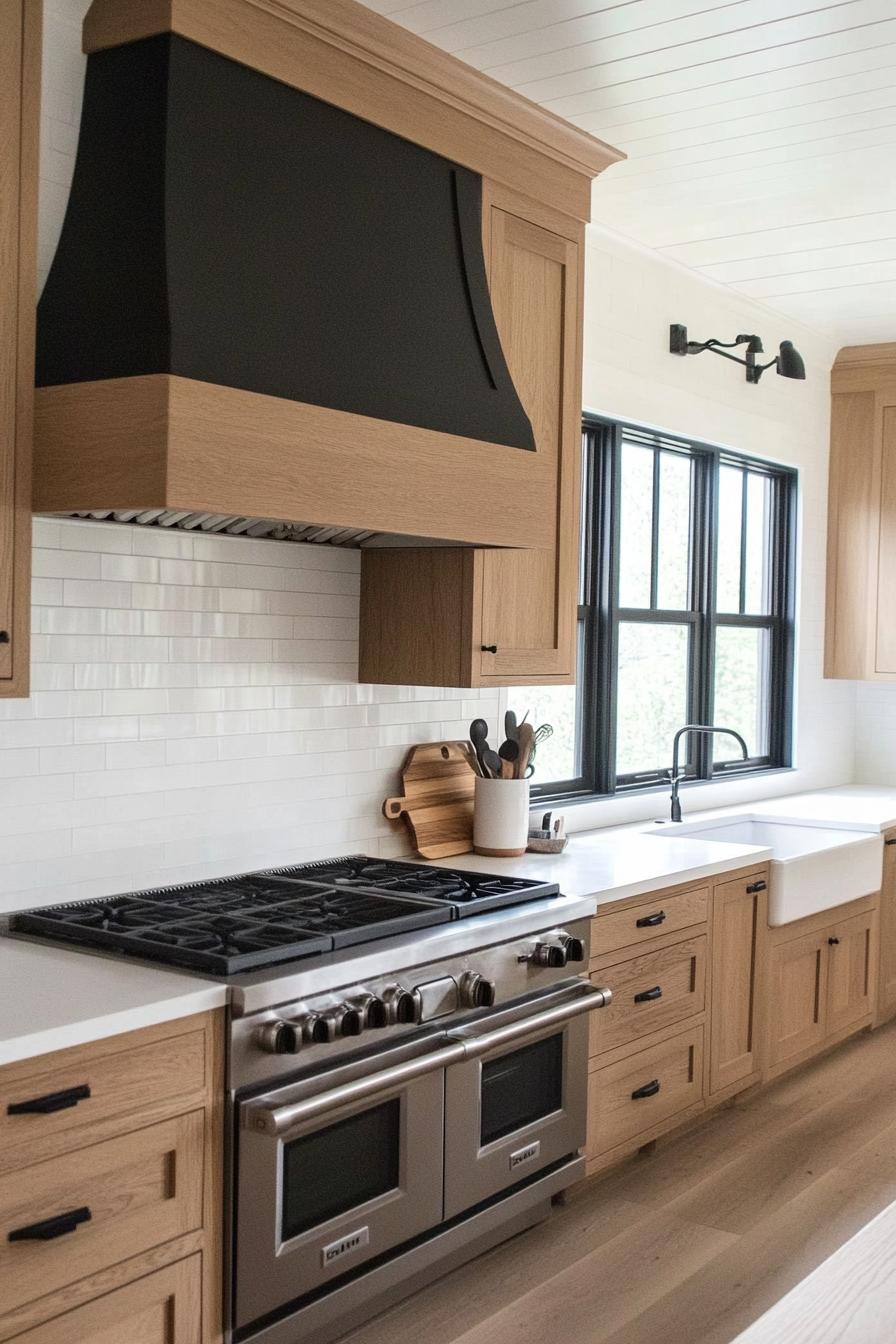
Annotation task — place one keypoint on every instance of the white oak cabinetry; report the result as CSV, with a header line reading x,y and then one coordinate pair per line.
x,y
681,1031
822,975
860,626
497,617
111,1189
20,56
886,974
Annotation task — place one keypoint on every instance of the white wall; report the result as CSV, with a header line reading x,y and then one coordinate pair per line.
x,y
196,708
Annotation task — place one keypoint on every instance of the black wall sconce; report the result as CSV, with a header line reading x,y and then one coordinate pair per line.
x,y
789,363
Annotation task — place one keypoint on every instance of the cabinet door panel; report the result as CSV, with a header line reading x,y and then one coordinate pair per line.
x,y
529,597
885,656
645,1090
141,1190
887,970
849,972
798,989
162,1308
738,914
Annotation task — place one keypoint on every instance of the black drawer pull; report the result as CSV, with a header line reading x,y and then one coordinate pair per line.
x,y
648,1090
51,1227
890,842
53,1101
648,995
756,886
833,942
4,636
650,921
489,648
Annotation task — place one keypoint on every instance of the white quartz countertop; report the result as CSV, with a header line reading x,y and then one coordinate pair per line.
x,y
51,998
611,865
851,807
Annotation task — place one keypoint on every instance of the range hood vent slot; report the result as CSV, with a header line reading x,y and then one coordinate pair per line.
x,y
228,228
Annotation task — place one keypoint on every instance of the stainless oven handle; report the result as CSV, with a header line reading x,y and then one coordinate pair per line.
x,y
476,1044
277,1120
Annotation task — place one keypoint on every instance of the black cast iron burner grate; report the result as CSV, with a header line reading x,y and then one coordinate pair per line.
x,y
231,925
467,893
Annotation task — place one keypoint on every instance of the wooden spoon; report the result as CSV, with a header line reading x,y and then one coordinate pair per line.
x,y
527,741
509,752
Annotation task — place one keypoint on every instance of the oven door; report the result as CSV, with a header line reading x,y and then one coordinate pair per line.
x,y
335,1170
517,1102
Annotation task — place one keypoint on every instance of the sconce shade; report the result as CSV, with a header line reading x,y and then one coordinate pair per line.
x,y
790,361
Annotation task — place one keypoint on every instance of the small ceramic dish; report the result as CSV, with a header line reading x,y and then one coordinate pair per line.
x,y
556,845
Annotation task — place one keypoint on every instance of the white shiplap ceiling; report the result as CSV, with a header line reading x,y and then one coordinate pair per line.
x,y
761,134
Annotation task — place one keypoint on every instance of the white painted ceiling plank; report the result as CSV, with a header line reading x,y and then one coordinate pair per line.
x,y
660,73
741,243
718,82
787,264
826,279
612,34
810,122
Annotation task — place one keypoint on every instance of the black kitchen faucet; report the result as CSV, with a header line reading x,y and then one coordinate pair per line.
x,y
673,773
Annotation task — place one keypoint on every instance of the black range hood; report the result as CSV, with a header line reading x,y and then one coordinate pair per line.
x,y
227,228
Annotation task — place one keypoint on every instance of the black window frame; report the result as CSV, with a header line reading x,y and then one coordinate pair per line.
x,y
600,615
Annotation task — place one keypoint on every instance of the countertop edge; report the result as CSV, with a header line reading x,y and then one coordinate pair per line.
x,y
88,1030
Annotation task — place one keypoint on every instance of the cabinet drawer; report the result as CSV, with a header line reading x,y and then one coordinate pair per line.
x,y
670,1074
639,923
677,972
119,1082
139,1190
162,1308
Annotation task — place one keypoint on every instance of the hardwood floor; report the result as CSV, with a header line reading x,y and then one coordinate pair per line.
x,y
692,1243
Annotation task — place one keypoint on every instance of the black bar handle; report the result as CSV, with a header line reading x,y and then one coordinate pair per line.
x,y
756,886
51,1228
648,1090
53,1101
890,842
833,942
489,648
650,921
648,995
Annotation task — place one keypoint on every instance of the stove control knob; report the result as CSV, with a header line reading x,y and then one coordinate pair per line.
x,y
550,953
280,1038
475,991
311,1029
373,1011
401,1006
575,948
343,1020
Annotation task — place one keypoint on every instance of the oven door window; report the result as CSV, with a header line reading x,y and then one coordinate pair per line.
x,y
520,1088
340,1168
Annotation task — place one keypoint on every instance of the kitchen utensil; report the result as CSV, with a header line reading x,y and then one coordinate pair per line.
x,y
492,762
527,741
509,752
543,732
479,738
437,805
510,726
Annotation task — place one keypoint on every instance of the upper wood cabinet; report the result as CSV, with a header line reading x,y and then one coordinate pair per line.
x,y
20,56
451,617
860,627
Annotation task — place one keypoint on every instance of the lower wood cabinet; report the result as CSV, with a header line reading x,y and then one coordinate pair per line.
x,y
822,981
161,1308
740,915
886,982
683,1029
111,1205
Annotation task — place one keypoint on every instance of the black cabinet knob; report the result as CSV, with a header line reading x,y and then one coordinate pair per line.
x,y
4,636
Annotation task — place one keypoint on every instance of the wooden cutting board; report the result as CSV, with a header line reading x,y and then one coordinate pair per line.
x,y
438,781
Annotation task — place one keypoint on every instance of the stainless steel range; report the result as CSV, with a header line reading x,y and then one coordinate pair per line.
x,y
407,1083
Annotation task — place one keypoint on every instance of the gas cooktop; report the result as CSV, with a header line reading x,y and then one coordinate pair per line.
x,y
242,923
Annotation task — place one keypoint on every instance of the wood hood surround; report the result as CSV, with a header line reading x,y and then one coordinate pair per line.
x,y
159,440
